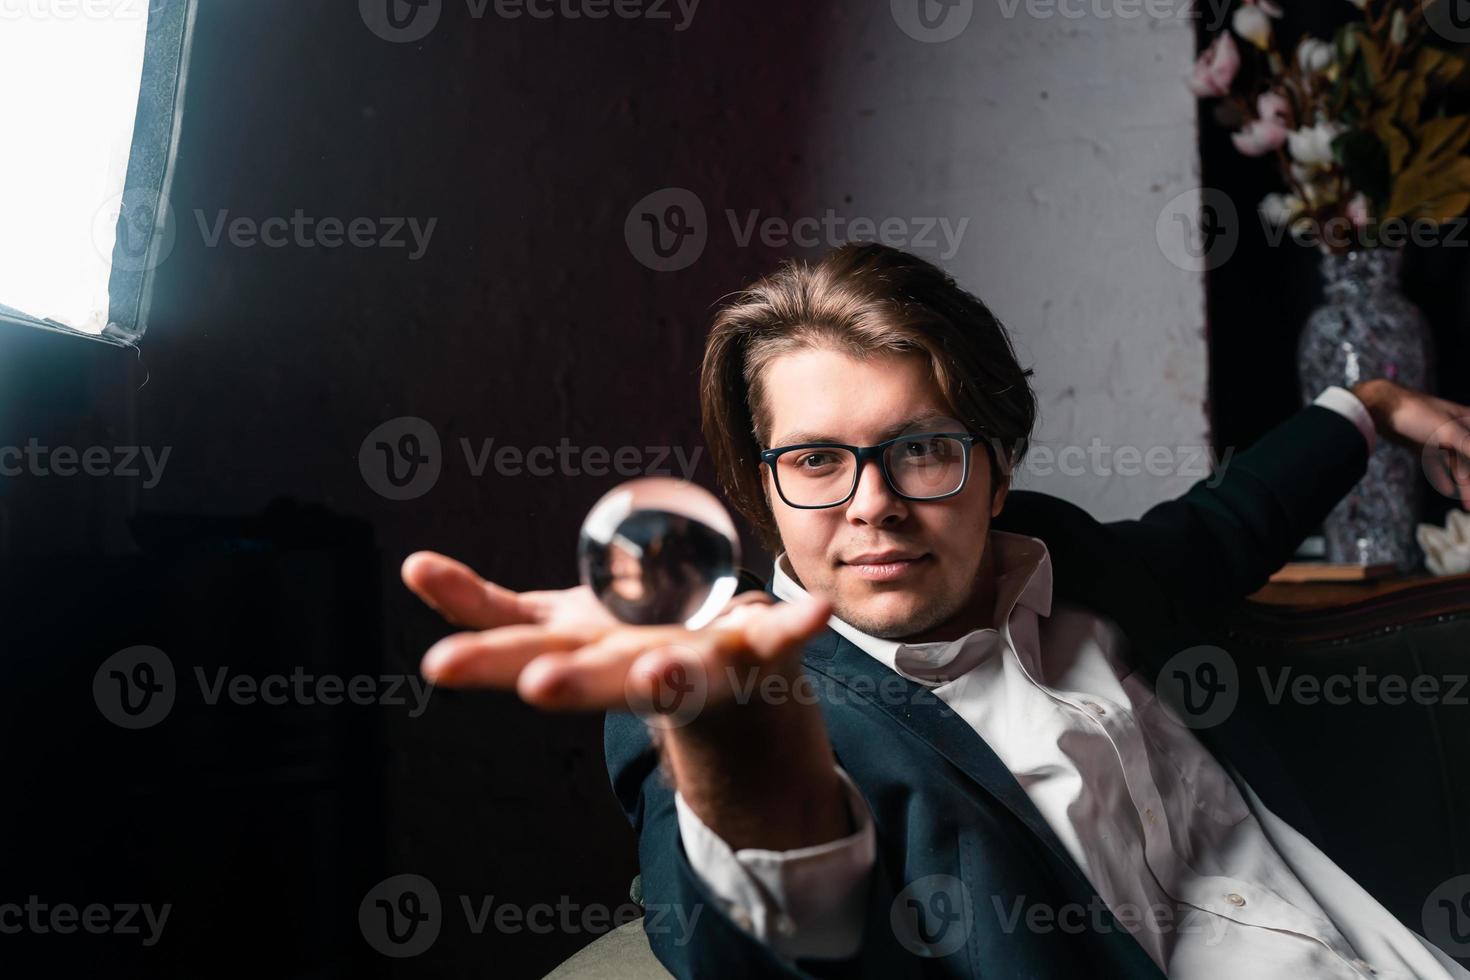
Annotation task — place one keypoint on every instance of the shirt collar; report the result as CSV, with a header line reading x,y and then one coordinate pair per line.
x,y
1023,577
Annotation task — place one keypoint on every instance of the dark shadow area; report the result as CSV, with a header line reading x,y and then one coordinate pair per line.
x,y
524,320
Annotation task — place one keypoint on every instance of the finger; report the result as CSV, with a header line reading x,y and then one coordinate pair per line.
x,y
495,658
786,625
462,597
596,676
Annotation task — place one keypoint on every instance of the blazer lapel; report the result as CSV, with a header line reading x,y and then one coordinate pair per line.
x,y
928,717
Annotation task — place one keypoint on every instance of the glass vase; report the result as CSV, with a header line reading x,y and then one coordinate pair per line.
x,y
1366,328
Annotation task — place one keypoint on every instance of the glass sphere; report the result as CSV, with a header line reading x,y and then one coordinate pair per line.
x,y
658,550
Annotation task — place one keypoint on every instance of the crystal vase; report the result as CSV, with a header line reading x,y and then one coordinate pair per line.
x,y
1365,328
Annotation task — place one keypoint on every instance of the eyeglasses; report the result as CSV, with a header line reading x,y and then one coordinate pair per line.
x,y
919,466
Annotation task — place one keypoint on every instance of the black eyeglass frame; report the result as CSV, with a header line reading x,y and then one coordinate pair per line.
x,y
864,453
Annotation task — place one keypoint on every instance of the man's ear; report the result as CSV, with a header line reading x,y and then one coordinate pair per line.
x,y
998,495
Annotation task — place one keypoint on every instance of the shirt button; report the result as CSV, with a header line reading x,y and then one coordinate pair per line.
x,y
1095,708
742,919
1234,899
1150,814
785,926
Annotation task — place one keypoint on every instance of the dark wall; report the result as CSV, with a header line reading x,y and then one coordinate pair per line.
x,y
528,320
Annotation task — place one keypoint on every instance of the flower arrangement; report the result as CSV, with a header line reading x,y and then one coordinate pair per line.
x,y
1358,125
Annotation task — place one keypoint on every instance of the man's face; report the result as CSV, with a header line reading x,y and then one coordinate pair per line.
x,y
823,395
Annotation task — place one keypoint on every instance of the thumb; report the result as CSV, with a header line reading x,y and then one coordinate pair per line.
x,y
786,625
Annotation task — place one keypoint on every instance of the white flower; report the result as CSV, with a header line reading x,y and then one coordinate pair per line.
x,y
1446,549
1253,24
1278,209
1312,145
1314,55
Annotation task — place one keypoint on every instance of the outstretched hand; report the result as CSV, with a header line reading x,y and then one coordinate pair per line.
x,y
560,649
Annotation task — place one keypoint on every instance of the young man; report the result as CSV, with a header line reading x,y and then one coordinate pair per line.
x,y
970,774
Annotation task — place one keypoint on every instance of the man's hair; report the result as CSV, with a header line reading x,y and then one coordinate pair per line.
x,y
862,300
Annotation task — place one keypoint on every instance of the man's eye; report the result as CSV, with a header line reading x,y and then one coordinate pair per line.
x,y
922,447
814,461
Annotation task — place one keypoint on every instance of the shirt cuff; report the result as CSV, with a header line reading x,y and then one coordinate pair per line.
x,y
1347,404
807,902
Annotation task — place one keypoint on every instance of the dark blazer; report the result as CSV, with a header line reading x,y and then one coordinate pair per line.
x,y
942,801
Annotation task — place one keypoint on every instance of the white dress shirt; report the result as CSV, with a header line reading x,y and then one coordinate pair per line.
x,y
1210,882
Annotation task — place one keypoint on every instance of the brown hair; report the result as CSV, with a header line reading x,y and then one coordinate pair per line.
x,y
862,300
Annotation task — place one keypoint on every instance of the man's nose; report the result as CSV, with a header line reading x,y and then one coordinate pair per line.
x,y
873,502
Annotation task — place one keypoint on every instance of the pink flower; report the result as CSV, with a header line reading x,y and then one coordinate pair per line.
x,y
1216,68
1274,107
1259,137
1357,211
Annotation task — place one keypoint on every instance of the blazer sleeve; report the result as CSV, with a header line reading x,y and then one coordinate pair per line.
x,y
1222,539
688,929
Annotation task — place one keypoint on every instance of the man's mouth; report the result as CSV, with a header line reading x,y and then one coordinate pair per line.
x,y
887,566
